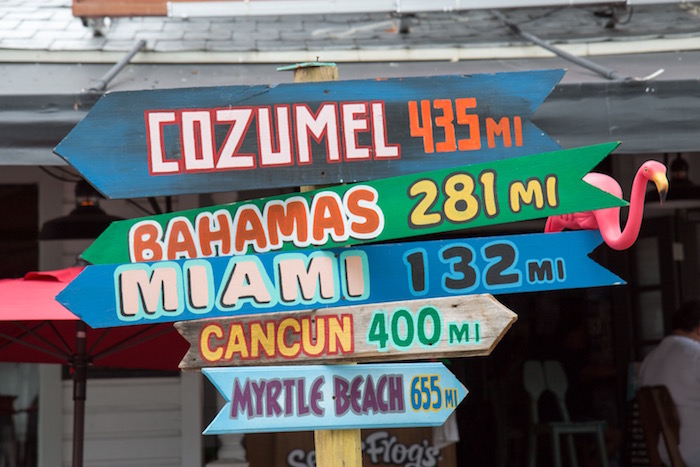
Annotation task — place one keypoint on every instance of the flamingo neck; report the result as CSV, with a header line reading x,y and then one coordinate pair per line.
x,y
626,238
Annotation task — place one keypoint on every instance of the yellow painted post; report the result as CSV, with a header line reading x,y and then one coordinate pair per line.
x,y
338,448
334,448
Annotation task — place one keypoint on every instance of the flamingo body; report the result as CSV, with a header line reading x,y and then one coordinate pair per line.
x,y
608,220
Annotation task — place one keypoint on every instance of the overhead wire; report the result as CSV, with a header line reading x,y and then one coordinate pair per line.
x,y
74,177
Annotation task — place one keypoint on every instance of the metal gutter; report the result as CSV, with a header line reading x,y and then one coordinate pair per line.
x,y
325,7
446,53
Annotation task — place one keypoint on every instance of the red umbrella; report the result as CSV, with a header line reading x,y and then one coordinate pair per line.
x,y
34,327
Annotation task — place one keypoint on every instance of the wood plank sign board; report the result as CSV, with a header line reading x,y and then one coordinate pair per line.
x,y
209,139
451,327
394,447
529,187
187,289
333,397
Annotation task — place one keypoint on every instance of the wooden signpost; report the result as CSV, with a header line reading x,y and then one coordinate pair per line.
x,y
288,279
138,293
333,397
209,139
332,444
452,327
530,187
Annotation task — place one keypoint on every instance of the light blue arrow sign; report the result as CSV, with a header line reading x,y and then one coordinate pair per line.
x,y
137,293
337,397
201,140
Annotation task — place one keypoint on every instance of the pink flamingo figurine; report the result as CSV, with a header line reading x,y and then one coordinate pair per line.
x,y
608,220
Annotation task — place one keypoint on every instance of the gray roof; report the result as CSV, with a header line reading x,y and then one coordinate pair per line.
x,y
36,30
49,58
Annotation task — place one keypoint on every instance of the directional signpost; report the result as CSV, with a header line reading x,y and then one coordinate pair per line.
x,y
334,397
452,327
138,293
176,141
289,279
511,190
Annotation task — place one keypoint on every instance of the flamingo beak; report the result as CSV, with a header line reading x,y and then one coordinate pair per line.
x,y
661,183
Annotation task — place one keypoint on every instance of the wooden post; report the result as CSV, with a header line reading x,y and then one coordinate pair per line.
x,y
338,448
334,448
314,72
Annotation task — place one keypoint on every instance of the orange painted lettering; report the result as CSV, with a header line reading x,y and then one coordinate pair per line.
x,y
249,230
446,122
214,230
327,216
493,129
423,126
366,217
144,242
472,121
180,240
518,130
288,221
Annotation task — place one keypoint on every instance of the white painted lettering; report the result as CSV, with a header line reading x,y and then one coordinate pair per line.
x,y
157,164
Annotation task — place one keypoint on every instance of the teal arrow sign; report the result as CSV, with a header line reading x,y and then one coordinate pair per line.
x,y
336,397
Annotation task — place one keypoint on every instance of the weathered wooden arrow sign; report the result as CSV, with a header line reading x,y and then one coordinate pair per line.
x,y
202,140
333,397
463,326
492,193
180,290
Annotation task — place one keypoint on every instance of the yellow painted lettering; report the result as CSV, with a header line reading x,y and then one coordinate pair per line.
x,y
521,193
285,350
310,348
551,182
205,344
262,339
340,335
236,342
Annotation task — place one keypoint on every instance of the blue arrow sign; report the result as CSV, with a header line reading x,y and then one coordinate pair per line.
x,y
137,293
273,399
209,139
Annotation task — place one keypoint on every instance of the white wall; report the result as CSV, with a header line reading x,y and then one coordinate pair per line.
x,y
133,422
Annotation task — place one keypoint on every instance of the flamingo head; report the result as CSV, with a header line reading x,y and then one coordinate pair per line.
x,y
656,172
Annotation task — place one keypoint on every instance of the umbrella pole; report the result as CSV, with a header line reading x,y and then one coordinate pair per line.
x,y
79,391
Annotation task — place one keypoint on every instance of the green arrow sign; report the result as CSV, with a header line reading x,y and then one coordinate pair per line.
x,y
444,200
